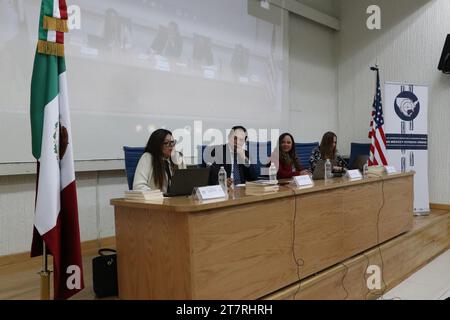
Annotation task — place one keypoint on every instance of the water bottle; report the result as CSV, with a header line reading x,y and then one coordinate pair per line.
x,y
328,174
273,172
223,179
365,169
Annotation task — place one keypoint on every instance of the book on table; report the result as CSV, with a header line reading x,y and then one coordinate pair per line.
x,y
143,194
261,187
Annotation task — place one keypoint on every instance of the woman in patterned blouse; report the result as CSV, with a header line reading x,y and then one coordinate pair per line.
x,y
327,150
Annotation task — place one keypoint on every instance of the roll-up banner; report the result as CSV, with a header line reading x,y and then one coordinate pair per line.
x,y
406,126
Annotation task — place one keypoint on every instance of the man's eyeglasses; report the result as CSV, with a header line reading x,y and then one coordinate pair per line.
x,y
170,143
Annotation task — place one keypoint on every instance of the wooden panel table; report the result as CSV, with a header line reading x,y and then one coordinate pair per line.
x,y
247,247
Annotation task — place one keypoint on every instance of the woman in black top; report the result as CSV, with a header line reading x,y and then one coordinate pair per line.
x,y
327,150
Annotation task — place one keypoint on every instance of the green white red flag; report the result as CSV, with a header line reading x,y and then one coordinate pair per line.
x,y
56,213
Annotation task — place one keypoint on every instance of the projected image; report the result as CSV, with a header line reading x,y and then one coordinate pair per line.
x,y
168,41
151,63
15,69
207,39
209,50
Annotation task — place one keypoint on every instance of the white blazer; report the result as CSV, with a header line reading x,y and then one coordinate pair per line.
x,y
143,177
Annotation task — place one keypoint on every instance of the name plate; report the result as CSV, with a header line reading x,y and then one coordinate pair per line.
x,y
354,175
390,170
303,181
210,192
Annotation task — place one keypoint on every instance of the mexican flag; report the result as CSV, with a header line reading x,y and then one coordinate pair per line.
x,y
56,213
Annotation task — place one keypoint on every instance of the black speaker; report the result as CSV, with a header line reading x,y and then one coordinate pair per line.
x,y
444,63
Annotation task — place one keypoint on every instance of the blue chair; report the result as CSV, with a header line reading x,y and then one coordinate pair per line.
x,y
201,161
358,149
132,156
304,151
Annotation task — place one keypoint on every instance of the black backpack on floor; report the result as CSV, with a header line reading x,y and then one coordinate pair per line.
x,y
104,273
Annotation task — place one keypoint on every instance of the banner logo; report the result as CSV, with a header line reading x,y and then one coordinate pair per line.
x,y
407,106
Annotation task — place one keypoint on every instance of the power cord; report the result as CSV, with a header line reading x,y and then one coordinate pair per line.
x,y
364,276
378,240
342,280
379,250
298,262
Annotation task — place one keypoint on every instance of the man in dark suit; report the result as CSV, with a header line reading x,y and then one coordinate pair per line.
x,y
233,157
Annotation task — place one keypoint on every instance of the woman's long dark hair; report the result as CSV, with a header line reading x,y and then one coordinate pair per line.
x,y
327,150
291,157
154,147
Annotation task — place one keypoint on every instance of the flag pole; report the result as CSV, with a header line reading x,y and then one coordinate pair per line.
x,y
45,275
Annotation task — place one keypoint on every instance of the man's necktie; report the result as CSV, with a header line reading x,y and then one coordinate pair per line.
x,y
236,172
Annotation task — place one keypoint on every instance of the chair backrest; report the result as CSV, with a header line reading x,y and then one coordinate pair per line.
x,y
359,162
132,156
304,151
201,161
358,149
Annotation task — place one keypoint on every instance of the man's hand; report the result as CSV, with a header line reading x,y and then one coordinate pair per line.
x,y
229,182
241,153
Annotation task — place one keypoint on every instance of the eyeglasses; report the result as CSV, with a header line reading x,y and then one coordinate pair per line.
x,y
170,143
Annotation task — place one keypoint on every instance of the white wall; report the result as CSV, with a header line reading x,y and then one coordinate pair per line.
x,y
313,79
330,7
94,193
407,49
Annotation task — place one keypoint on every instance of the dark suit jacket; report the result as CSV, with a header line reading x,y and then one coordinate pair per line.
x,y
246,172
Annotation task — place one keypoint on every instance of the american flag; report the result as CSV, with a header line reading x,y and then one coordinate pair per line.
x,y
376,131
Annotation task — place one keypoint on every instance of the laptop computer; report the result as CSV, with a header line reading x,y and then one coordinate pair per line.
x,y
185,180
360,161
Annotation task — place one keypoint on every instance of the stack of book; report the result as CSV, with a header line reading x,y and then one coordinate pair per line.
x,y
144,195
376,170
261,187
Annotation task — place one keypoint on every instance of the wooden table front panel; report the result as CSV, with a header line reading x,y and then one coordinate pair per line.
x,y
243,252
336,224
396,215
153,254
249,250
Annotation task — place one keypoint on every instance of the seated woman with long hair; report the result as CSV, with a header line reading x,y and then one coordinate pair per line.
x,y
327,150
286,159
158,163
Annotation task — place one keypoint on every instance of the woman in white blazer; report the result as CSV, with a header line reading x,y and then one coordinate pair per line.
x,y
158,163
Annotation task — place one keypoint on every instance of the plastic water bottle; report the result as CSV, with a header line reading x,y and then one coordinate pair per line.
x,y
328,174
273,172
365,169
223,179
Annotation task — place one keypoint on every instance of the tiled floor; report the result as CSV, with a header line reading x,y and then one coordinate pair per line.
x,y
432,282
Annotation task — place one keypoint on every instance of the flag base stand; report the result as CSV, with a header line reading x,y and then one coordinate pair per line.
x,y
421,214
45,285
45,275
